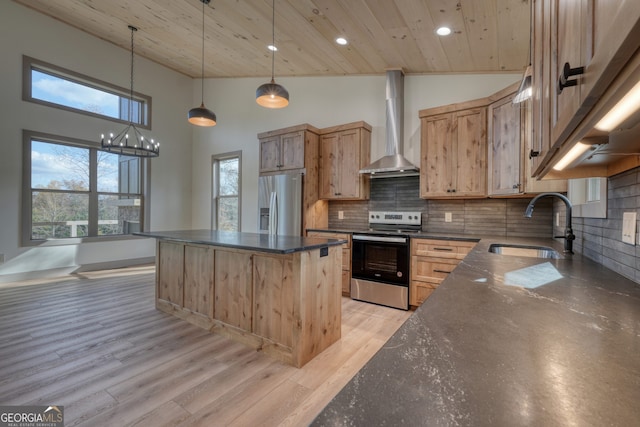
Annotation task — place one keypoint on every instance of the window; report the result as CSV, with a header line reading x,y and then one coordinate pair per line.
x,y
588,197
74,190
54,86
226,192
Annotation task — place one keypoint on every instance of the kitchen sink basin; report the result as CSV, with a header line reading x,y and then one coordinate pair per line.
x,y
524,250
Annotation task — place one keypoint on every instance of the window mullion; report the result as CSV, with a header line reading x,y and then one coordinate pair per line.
x,y
93,192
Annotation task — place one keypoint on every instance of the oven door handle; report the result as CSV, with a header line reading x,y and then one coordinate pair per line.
x,y
379,239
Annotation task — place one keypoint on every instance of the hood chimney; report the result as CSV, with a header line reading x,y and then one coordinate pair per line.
x,y
393,163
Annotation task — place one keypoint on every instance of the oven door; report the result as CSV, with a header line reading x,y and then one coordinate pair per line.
x,y
382,259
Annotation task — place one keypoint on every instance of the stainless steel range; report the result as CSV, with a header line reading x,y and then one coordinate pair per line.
x,y
381,259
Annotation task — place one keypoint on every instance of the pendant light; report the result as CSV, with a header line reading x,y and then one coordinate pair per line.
x,y
202,116
272,95
130,141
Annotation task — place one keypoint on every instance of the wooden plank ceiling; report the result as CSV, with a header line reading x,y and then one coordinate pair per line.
x,y
488,35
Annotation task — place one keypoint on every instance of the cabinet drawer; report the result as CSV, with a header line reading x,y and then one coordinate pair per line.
x,y
420,291
453,249
431,269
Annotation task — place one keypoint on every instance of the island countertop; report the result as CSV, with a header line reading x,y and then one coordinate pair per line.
x,y
249,241
507,341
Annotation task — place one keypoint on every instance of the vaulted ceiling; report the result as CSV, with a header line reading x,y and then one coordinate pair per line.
x,y
488,35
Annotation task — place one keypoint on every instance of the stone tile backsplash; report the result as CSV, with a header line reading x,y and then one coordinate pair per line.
x,y
498,217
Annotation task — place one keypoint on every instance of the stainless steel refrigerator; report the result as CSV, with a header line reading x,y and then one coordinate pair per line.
x,y
280,204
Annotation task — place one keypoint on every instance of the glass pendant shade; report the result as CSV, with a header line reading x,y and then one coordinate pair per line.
x,y
272,95
202,116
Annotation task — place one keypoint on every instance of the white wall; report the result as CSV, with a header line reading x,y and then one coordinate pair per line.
x,y
321,102
23,31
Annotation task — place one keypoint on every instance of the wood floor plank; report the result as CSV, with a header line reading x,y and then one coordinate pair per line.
x,y
94,343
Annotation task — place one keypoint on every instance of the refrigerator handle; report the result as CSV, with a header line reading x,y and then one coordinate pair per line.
x,y
273,214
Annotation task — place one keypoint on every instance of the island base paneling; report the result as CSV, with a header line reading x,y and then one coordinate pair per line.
x,y
286,305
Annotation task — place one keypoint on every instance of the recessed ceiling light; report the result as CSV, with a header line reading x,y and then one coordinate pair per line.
x,y
443,31
272,47
341,41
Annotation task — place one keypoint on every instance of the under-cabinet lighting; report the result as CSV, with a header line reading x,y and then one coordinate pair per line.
x,y
628,105
443,31
573,154
341,41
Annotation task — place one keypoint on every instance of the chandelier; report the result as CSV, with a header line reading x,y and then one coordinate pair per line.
x,y
130,141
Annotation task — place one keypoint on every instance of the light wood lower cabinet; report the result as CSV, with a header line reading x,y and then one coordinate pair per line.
x,y
431,262
286,305
346,256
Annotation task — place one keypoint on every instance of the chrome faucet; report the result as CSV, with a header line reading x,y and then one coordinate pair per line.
x,y
568,237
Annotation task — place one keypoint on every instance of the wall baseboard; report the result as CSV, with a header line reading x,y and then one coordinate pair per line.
x,y
65,271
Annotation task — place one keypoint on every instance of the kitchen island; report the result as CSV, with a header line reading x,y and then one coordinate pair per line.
x,y
278,294
507,341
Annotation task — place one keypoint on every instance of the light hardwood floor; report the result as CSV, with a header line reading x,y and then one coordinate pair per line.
x,y
94,343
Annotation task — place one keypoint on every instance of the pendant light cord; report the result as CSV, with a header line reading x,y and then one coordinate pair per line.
x,y
273,39
202,79
133,29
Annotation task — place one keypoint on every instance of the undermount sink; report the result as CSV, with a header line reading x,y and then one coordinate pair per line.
x,y
524,250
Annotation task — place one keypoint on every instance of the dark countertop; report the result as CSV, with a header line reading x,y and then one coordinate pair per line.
x,y
248,241
486,350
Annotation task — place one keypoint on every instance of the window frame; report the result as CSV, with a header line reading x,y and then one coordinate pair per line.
x,y
29,63
27,215
215,180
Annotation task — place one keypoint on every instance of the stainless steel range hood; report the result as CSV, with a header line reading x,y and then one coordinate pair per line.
x,y
393,163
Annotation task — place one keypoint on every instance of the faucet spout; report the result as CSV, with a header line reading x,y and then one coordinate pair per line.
x,y
569,237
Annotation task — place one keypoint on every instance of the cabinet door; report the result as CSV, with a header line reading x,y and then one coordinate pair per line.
x,y
273,315
270,154
198,279
330,160
504,147
234,298
470,157
170,274
436,177
349,164
568,38
292,151
541,84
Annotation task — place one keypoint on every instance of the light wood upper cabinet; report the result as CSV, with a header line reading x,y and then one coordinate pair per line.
x,y
509,129
290,149
282,152
344,150
603,38
453,151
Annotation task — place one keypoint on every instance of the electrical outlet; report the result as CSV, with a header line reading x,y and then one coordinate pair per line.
x,y
557,219
448,217
340,214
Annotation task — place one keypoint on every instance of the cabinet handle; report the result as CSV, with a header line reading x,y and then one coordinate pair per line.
x,y
533,154
441,271
443,249
516,186
567,72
